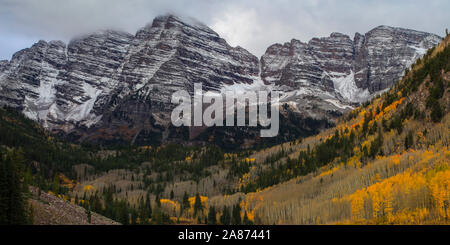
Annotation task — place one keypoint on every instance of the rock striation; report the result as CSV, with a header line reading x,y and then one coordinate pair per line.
x,y
342,71
112,84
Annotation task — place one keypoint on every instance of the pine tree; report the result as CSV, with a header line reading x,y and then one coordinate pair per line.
x,y
124,217
88,213
409,140
148,206
225,219
185,203
436,112
212,216
158,201
134,216
142,211
55,187
4,191
13,208
197,205
236,220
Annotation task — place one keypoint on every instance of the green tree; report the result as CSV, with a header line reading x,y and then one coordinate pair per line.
x,y
88,213
148,207
436,112
158,201
236,220
409,140
134,216
13,208
185,201
212,216
225,218
124,217
198,207
56,181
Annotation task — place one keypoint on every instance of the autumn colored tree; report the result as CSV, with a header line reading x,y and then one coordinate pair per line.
x,y
246,220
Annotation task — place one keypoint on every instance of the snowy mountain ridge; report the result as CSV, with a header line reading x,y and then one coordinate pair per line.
x,y
121,83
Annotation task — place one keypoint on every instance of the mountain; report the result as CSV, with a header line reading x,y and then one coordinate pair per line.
x,y
331,73
115,79
385,162
111,85
66,85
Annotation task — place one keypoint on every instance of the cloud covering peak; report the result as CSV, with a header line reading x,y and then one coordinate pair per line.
x,y
252,24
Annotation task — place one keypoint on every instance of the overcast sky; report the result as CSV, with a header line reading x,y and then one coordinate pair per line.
x,y
252,24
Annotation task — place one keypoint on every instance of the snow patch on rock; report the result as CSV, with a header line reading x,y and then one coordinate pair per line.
x,y
346,86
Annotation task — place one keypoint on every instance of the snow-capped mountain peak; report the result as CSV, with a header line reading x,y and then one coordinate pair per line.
x,y
112,82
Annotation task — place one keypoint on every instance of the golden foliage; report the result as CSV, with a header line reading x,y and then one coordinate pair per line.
x,y
203,200
88,188
250,160
402,199
329,172
393,106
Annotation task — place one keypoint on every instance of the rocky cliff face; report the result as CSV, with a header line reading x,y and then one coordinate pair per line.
x,y
113,79
114,85
336,71
59,84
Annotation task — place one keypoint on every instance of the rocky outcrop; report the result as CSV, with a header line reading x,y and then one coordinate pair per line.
x,y
336,71
385,52
113,77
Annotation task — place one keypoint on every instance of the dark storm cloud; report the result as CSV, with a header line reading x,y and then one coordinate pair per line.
x,y
252,24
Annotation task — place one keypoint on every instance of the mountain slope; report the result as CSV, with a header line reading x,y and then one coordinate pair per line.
x,y
51,210
112,86
384,163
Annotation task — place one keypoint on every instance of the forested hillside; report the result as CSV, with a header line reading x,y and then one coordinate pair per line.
x,y
122,183
386,162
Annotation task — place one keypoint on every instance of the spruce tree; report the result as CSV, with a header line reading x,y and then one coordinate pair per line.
x,y
148,207
236,214
212,216
409,140
88,213
225,219
13,208
197,205
158,201
185,203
